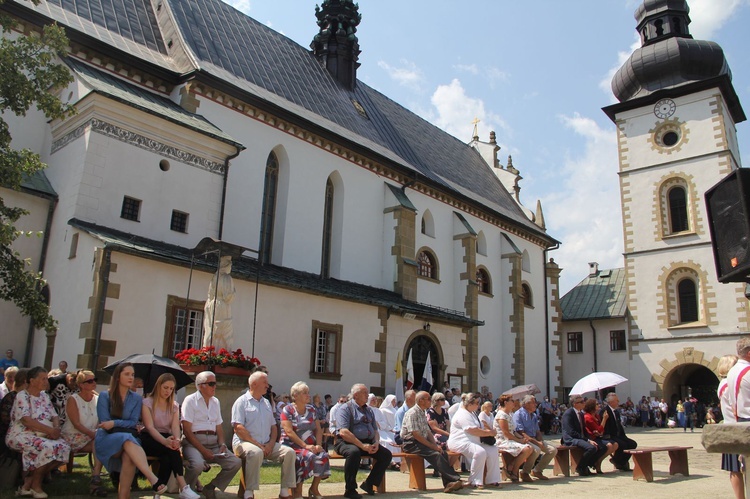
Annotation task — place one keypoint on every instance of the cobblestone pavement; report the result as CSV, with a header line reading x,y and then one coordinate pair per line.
x,y
706,478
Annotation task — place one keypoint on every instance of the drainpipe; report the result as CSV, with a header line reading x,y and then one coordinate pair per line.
x,y
546,317
593,331
42,261
106,265
224,190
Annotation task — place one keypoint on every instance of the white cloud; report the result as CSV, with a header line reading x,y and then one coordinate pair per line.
x,y
241,5
468,68
454,112
584,212
492,74
407,75
708,16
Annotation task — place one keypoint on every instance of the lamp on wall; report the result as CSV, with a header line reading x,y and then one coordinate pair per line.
x,y
426,326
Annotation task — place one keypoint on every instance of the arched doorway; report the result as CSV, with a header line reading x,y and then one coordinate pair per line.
x,y
420,344
693,380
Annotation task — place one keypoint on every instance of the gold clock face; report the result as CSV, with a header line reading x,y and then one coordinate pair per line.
x,y
664,108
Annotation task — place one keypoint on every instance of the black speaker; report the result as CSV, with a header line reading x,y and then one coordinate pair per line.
x,y
729,223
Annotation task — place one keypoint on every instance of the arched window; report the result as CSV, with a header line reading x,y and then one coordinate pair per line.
x,y
483,281
428,224
481,243
426,264
525,261
678,215
528,299
268,212
325,263
687,298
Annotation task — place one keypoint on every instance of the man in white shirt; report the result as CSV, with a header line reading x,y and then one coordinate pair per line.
x,y
9,383
255,437
203,437
738,382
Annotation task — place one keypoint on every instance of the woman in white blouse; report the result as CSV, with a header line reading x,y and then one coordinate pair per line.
x,y
465,433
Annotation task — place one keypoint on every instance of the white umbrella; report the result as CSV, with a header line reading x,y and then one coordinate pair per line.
x,y
522,390
596,381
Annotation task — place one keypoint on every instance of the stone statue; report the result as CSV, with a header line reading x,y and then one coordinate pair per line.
x,y
218,308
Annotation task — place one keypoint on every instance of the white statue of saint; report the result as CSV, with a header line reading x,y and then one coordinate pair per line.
x,y
218,308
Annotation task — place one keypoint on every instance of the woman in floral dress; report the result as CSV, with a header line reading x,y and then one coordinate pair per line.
x,y
301,431
507,440
35,432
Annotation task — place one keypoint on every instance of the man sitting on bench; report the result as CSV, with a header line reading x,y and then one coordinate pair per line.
x,y
358,438
418,439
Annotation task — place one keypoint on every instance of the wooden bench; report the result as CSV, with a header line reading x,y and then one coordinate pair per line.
x,y
643,466
567,458
416,470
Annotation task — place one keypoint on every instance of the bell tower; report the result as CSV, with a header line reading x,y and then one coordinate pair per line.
x,y
676,120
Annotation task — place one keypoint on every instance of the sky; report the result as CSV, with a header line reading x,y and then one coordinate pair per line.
x,y
537,73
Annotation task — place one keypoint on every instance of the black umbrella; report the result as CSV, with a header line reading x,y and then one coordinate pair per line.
x,y
149,367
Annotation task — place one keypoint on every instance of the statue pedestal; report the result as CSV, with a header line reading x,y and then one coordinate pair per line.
x,y
228,389
729,438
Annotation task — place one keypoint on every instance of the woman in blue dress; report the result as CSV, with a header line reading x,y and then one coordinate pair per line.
x,y
117,444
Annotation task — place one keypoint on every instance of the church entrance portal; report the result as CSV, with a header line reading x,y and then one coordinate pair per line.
x,y
420,345
691,380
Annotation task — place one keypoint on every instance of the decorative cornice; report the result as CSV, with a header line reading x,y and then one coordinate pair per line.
x,y
138,140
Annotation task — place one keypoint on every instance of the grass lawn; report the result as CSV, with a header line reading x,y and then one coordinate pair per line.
x,y
77,483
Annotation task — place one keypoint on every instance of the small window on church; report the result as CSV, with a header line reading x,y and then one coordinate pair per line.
x,y
687,301
426,265
179,221
131,209
678,215
483,281
528,300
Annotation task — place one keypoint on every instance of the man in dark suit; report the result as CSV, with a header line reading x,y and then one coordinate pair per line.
x,y
575,435
613,427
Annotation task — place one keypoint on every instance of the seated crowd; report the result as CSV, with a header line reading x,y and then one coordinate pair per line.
x,y
122,430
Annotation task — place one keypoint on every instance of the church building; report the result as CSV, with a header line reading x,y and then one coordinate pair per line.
x,y
361,232
664,320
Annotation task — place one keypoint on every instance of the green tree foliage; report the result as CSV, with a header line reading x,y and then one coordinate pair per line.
x,y
30,70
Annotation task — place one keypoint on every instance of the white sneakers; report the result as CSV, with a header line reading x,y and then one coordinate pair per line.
x,y
188,493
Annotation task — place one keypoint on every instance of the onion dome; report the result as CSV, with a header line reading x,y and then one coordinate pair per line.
x,y
668,57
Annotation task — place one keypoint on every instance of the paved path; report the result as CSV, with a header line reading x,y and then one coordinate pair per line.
x,y
706,478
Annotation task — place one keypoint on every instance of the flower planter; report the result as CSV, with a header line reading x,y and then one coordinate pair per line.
x,y
232,371
194,369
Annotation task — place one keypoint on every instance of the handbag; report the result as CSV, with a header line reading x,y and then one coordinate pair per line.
x,y
487,440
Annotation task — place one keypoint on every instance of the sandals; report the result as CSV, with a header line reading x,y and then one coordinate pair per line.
x,y
159,488
310,494
96,487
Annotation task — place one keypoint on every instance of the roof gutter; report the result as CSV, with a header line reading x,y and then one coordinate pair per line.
x,y
42,261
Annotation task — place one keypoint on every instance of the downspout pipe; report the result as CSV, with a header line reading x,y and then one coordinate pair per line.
x,y
42,260
545,253
106,266
224,191
593,331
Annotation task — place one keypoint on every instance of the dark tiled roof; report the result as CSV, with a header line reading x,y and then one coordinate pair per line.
x,y
247,269
128,25
264,64
599,296
111,86
38,183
